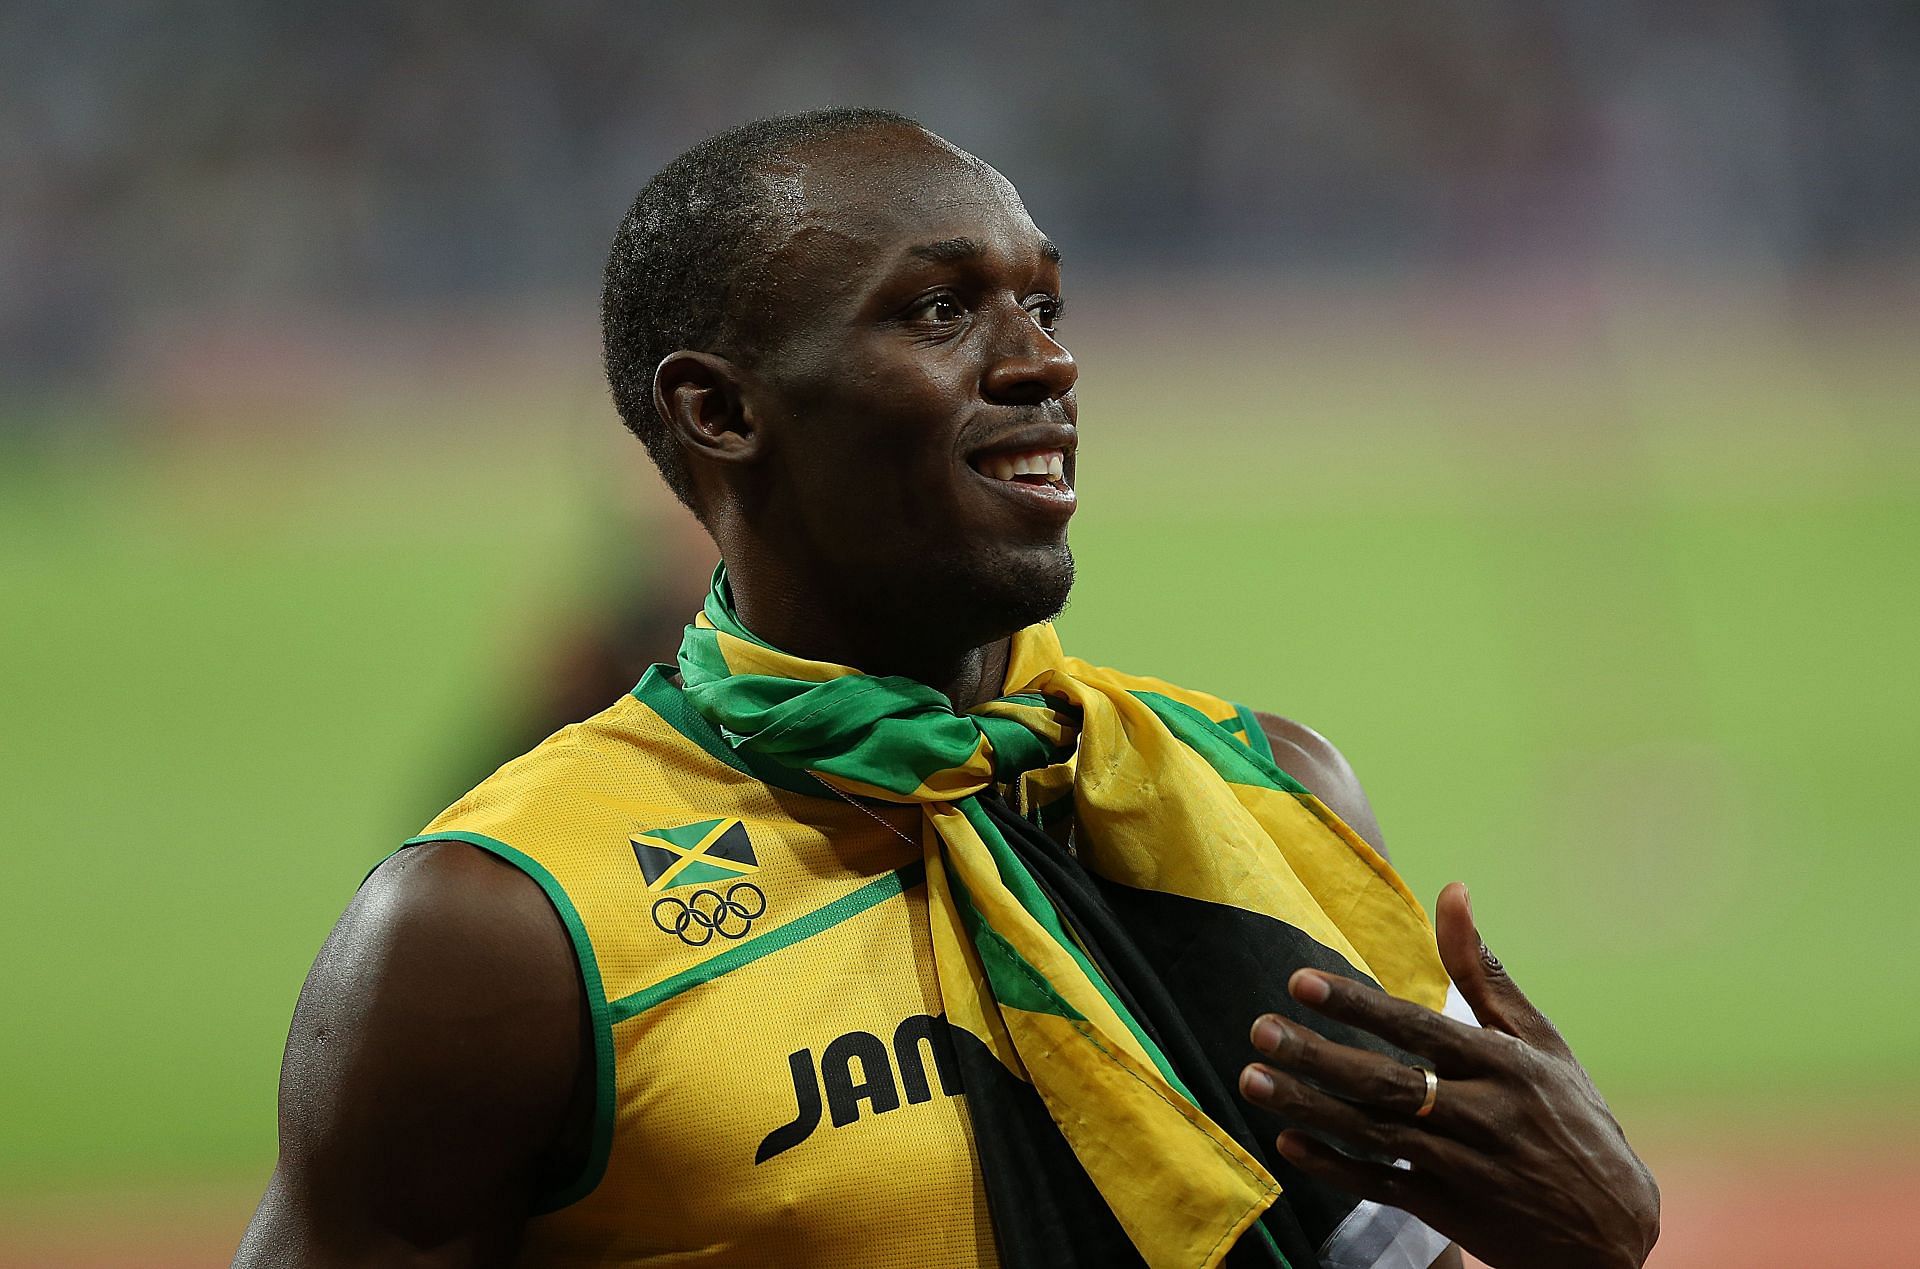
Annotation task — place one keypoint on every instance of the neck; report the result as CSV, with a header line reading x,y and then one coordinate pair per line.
x,y
810,625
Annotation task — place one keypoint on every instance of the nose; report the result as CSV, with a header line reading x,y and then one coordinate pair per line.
x,y
1030,368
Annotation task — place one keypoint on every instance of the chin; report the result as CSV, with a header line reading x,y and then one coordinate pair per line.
x,y
1010,590
967,596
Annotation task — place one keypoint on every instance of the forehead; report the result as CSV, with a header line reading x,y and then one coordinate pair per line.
x,y
851,207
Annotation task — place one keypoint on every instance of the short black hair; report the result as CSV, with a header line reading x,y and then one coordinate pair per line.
x,y
687,255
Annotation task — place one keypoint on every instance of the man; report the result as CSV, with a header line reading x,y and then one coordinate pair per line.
x,y
881,932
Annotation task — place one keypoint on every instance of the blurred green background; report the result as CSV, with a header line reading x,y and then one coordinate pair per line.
x,y
1523,394
1642,679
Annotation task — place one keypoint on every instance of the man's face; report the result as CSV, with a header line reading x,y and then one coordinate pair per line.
x,y
918,413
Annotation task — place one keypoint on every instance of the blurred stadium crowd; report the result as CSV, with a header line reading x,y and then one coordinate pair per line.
x,y
165,163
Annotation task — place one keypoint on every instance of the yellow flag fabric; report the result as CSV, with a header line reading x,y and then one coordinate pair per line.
x,y
1165,800
840,1005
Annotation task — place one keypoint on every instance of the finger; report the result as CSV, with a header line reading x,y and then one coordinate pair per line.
x,y
1454,1047
1377,1082
1358,1075
1496,1000
1360,1129
1419,1194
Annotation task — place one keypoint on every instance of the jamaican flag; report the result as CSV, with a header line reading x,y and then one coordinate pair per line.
x,y
1100,996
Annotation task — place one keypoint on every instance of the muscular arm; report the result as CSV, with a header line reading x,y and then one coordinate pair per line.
x,y
436,1074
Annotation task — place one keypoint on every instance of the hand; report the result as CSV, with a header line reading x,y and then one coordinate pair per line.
x,y
1519,1161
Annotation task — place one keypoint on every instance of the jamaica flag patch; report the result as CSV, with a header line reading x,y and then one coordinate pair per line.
x,y
693,854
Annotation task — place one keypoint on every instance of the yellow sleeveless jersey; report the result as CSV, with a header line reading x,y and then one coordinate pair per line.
x,y
775,1085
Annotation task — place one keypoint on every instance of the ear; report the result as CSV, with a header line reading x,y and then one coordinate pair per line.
x,y
698,394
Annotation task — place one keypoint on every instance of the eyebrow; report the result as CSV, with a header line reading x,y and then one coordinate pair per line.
x,y
955,250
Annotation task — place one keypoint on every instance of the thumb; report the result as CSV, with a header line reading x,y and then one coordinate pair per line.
x,y
1496,1000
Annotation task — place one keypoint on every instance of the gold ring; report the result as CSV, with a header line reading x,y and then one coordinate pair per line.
x,y
1433,1093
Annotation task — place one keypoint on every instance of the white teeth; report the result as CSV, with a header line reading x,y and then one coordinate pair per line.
x,y
1048,464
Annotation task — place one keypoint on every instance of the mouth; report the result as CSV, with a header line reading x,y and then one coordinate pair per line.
x,y
1037,470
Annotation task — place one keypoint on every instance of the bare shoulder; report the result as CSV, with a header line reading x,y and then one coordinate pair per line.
x,y
442,935
455,908
1312,759
433,1071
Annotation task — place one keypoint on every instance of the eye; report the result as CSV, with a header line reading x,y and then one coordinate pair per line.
x,y
941,309
1046,310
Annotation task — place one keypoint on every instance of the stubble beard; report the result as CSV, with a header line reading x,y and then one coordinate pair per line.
x,y
1009,591
945,606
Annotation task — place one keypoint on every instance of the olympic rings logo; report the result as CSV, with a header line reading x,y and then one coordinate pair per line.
x,y
696,919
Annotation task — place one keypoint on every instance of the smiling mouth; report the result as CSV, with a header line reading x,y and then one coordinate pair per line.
x,y
1041,470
